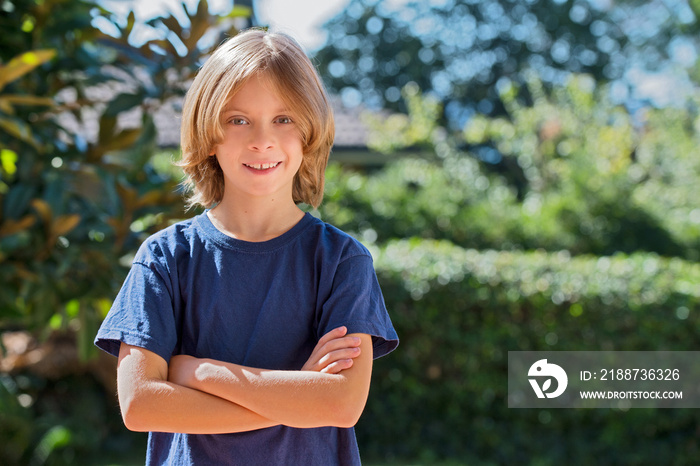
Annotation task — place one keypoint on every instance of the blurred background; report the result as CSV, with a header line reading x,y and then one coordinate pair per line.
x,y
525,172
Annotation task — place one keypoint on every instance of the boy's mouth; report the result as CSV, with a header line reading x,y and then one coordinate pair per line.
x,y
261,166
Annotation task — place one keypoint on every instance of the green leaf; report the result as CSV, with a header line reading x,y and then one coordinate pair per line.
x,y
17,200
202,10
72,308
25,100
122,103
43,209
130,22
199,25
57,437
240,11
123,140
19,130
11,227
56,322
64,224
23,64
172,23
8,161
103,306
695,6
107,125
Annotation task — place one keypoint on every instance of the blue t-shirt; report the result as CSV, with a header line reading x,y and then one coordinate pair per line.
x,y
194,290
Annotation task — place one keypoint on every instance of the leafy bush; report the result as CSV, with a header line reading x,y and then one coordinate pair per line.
x,y
71,420
594,180
442,394
496,266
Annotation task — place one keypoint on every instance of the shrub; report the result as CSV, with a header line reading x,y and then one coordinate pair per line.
x,y
442,395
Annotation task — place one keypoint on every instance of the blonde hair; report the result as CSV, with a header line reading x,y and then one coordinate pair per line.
x,y
282,62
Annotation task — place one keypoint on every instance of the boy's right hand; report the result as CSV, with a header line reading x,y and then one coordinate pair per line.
x,y
333,353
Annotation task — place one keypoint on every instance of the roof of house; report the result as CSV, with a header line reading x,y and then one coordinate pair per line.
x,y
351,132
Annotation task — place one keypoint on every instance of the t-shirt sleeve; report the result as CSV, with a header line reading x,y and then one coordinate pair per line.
x,y
142,314
356,301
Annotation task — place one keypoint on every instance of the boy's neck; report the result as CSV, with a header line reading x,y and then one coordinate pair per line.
x,y
255,222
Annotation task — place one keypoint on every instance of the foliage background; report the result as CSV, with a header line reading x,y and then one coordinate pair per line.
x,y
532,199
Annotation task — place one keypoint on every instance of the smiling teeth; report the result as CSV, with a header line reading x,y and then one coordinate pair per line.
x,y
262,166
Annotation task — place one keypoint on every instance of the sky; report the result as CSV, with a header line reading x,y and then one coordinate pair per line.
x,y
300,18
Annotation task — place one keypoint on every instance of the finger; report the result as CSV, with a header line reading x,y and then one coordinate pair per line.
x,y
339,343
335,345
333,340
344,353
331,358
338,332
338,366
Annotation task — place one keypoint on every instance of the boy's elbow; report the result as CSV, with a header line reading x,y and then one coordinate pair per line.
x,y
346,420
134,416
139,406
141,375
134,425
347,413
351,399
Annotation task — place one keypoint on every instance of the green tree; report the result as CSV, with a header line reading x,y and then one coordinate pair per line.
x,y
462,50
79,190
466,53
459,49
593,180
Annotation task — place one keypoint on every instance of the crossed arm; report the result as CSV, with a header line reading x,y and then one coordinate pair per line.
x,y
207,396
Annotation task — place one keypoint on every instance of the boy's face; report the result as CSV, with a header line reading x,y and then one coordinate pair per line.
x,y
262,148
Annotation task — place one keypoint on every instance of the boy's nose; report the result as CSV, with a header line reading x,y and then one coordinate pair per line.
x,y
261,140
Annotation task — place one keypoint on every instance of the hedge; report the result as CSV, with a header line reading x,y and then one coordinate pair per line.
x,y
441,396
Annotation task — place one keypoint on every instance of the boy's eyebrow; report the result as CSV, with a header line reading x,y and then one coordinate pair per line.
x,y
227,110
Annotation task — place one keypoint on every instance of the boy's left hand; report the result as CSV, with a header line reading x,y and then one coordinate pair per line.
x,y
333,353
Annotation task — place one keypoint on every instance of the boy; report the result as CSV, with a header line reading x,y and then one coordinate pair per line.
x,y
246,334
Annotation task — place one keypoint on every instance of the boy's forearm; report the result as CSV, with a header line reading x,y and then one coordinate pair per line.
x,y
293,398
150,403
166,407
